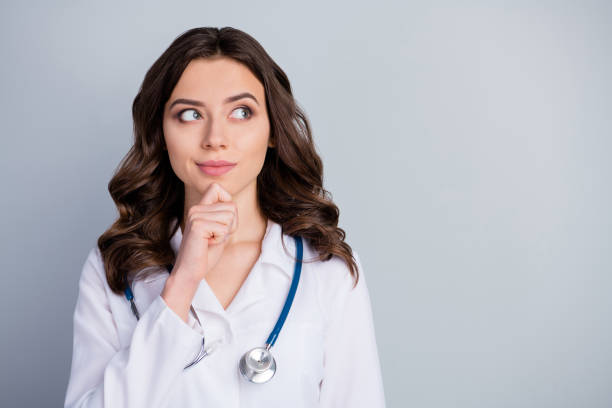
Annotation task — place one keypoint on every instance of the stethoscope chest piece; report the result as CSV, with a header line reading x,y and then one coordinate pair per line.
x,y
257,365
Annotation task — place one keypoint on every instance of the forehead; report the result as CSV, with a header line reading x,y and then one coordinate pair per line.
x,y
214,79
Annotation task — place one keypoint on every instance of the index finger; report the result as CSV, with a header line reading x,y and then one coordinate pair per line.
x,y
215,193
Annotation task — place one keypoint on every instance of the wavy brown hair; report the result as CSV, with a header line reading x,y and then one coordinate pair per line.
x,y
149,195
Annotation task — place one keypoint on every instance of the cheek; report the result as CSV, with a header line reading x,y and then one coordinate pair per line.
x,y
253,144
252,163
178,157
257,153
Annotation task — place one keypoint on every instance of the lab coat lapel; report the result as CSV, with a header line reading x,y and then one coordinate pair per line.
x,y
256,285
273,269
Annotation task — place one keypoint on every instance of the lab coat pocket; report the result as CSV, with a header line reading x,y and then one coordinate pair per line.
x,y
300,357
302,343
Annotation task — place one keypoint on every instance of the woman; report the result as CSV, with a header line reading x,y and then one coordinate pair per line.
x,y
222,188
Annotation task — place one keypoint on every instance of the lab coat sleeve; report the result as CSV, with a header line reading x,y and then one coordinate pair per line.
x,y
139,375
352,374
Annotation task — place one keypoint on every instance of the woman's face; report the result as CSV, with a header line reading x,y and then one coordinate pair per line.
x,y
217,111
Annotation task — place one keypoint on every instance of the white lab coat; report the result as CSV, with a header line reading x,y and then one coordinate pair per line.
x,y
326,352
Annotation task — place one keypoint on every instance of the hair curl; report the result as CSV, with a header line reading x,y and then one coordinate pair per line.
x,y
149,196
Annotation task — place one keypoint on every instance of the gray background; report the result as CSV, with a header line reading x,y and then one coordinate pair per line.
x,y
467,144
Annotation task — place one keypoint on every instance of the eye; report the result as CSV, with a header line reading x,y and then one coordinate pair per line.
x,y
244,109
186,117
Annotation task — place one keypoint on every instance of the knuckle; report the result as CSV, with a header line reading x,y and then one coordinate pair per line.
x,y
193,210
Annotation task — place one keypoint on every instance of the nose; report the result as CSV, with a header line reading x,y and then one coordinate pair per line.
x,y
214,136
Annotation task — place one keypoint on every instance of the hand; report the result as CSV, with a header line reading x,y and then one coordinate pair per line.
x,y
208,225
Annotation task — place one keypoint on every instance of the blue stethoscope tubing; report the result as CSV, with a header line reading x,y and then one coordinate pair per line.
x,y
294,284
257,365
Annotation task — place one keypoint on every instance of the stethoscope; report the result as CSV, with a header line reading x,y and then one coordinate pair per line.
x,y
256,365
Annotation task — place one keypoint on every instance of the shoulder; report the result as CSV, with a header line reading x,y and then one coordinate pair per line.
x,y
334,271
93,268
334,281
92,281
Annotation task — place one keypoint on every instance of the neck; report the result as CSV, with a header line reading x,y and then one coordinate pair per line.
x,y
251,221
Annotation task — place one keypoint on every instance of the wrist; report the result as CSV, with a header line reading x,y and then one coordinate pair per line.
x,y
179,289
183,281
178,294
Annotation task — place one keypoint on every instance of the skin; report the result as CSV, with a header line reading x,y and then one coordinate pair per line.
x,y
237,132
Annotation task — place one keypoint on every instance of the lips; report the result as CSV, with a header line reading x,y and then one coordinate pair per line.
x,y
216,167
216,163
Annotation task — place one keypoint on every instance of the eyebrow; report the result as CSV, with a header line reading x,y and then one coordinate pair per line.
x,y
227,100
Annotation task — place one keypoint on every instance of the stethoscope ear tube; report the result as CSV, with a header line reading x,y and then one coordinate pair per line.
x,y
130,296
203,353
